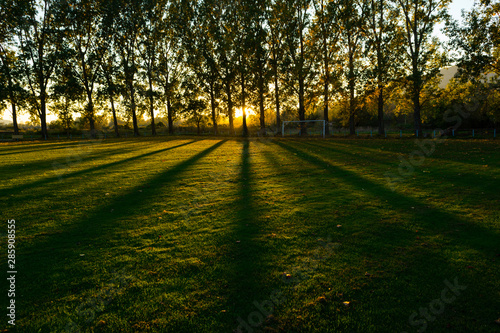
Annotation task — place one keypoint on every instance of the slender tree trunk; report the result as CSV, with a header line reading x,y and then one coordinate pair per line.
x,y
67,124
277,101
416,98
212,104
90,115
381,129
326,97
151,105
12,100
276,90
229,105
43,115
326,63
133,108
302,110
14,116
115,120
170,116
261,104
245,129
380,55
416,111
352,106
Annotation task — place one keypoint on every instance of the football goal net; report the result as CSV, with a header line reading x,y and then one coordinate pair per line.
x,y
303,128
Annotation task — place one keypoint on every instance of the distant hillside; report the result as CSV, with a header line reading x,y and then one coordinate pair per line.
x,y
448,74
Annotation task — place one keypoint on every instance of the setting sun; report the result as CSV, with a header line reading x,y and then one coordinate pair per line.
x,y
238,112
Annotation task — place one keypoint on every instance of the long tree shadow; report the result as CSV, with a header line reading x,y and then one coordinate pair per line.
x,y
19,149
439,221
394,249
409,146
63,176
46,257
29,167
250,257
488,184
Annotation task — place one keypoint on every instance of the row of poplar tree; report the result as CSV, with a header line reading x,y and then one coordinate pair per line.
x,y
190,55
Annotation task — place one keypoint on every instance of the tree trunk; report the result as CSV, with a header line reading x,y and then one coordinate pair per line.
x,y
416,112
43,115
302,110
327,80
133,107
276,91
326,101
245,129
170,116
381,129
12,101
14,117
229,105
151,106
352,106
416,99
112,101
212,104
277,98
261,104
90,115
115,120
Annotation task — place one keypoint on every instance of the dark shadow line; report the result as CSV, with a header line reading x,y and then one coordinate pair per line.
x,y
75,159
489,184
94,219
379,190
19,188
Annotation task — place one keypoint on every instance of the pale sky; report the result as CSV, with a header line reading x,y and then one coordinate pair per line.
x,y
454,9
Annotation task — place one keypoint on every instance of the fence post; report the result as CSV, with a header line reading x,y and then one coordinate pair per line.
x,y
400,133
453,132
434,134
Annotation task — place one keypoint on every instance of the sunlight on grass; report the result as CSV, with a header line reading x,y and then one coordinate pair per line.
x,y
188,235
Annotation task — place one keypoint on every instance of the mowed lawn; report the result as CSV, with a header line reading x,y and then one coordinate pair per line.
x,y
188,234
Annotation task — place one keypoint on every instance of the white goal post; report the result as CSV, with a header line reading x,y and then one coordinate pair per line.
x,y
301,121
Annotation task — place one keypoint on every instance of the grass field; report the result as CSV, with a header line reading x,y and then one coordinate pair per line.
x,y
204,235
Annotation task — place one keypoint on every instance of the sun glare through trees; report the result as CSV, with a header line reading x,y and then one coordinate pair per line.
x,y
249,166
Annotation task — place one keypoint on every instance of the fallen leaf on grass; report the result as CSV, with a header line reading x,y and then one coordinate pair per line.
x,y
346,303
